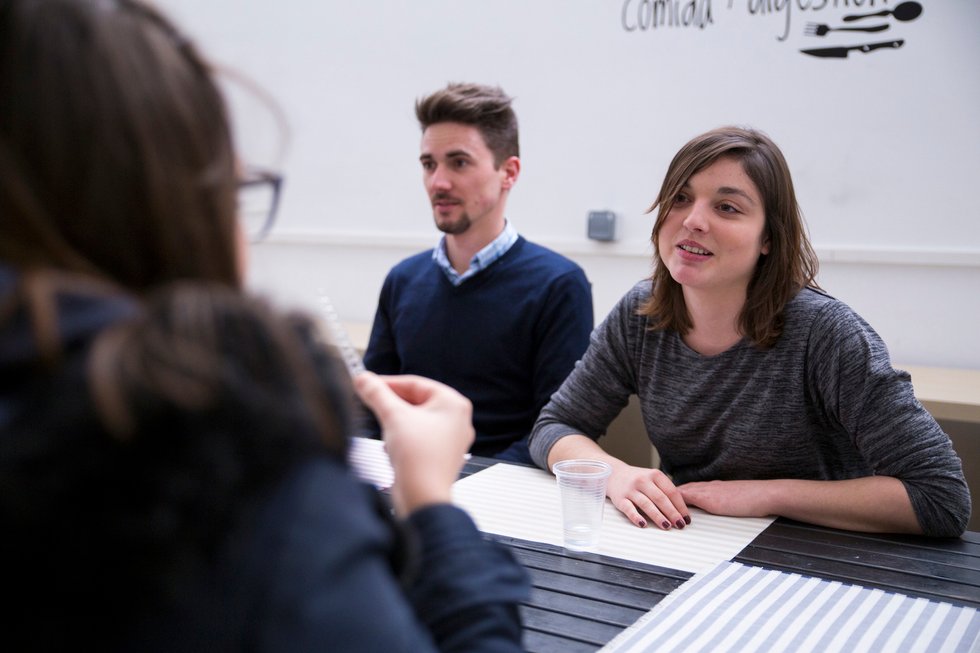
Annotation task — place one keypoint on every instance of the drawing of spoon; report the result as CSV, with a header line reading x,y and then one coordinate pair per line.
x,y
903,11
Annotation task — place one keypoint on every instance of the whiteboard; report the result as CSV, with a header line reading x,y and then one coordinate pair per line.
x,y
884,145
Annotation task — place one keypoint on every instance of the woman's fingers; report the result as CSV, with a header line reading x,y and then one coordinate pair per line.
x,y
651,497
627,507
659,509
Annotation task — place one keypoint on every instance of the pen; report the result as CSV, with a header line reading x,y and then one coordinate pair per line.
x,y
341,340
339,337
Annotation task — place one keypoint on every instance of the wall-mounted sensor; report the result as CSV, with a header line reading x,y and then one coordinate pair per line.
x,y
602,225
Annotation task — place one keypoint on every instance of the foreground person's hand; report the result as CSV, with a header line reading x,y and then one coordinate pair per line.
x,y
427,428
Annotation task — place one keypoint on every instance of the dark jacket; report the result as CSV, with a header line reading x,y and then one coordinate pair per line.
x,y
190,539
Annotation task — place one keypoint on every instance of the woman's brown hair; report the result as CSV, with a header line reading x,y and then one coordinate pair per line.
x,y
116,155
197,350
791,263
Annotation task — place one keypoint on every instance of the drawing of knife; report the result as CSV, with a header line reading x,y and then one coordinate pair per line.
x,y
841,52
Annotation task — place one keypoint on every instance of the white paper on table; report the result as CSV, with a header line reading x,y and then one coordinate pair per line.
x,y
523,502
746,609
370,462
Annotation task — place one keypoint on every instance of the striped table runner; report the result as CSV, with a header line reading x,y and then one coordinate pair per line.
x,y
740,608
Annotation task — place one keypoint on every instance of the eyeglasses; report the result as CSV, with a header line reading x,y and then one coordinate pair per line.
x,y
258,201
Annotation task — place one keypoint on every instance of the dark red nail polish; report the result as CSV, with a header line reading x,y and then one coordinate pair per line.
x,y
679,523
665,525
642,524
687,519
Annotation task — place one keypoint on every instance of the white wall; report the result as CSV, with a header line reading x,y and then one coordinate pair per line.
x,y
884,146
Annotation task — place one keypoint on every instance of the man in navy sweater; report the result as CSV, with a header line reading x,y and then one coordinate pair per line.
x,y
487,312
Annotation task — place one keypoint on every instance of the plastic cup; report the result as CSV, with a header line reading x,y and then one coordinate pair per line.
x,y
582,485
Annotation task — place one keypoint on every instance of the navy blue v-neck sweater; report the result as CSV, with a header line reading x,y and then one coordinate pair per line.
x,y
505,338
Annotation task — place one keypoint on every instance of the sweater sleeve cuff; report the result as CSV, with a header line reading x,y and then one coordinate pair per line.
x,y
544,438
459,568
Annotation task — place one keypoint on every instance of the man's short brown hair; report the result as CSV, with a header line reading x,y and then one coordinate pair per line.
x,y
485,107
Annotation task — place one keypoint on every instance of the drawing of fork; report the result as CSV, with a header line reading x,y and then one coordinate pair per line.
x,y
820,29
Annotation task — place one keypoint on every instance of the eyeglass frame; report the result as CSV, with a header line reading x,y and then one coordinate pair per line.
x,y
255,176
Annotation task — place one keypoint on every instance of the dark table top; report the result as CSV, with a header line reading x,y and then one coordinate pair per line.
x,y
580,601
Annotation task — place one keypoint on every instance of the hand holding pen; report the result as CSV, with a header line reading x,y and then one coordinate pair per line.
x,y
427,429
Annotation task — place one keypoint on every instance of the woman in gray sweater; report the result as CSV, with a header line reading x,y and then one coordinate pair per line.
x,y
762,394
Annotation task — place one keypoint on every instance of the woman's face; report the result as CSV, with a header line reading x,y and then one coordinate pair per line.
x,y
714,234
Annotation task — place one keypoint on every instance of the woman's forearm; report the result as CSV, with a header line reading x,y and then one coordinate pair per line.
x,y
870,504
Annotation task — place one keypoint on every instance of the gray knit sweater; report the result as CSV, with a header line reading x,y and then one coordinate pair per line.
x,y
823,403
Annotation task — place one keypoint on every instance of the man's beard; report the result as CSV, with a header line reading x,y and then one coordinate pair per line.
x,y
454,228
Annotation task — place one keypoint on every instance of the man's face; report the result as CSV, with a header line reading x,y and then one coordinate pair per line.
x,y
465,188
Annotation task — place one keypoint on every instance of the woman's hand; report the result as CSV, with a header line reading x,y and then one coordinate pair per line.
x,y
647,494
427,428
639,493
730,498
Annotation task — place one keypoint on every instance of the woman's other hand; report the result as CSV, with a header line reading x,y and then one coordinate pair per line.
x,y
730,498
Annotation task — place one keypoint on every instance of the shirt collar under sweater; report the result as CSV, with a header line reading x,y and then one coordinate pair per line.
x,y
481,260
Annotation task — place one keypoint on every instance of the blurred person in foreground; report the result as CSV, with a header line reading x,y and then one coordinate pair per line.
x,y
173,470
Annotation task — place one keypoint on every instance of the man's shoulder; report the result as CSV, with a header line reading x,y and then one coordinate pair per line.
x,y
531,252
413,264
